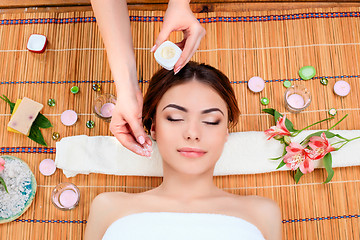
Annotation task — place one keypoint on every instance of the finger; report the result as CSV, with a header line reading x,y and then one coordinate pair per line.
x,y
128,141
186,54
181,44
138,130
191,45
193,51
162,37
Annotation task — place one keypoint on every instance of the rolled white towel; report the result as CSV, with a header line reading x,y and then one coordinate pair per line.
x,y
244,153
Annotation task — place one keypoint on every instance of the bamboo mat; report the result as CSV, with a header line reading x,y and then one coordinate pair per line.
x,y
273,45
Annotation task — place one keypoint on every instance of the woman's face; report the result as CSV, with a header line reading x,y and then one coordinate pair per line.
x,y
191,127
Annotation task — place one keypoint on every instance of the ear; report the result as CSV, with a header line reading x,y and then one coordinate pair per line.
x,y
152,131
227,134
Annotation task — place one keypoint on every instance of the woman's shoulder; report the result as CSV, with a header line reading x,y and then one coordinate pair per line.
x,y
267,215
105,209
109,197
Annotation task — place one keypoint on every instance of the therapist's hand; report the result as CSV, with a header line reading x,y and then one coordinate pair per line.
x,y
179,17
126,124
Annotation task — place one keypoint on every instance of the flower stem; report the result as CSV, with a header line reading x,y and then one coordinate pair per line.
x,y
346,142
299,131
338,122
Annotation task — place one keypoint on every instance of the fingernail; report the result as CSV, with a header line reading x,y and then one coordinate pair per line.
x,y
177,70
141,140
153,48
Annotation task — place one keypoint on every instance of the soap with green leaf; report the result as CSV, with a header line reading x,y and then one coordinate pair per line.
x,y
27,119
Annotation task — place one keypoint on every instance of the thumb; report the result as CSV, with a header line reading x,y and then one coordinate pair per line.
x,y
162,37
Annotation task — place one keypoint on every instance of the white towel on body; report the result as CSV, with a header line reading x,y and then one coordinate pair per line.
x,y
244,153
190,226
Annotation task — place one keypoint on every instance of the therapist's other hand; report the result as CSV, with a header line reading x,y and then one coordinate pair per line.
x,y
126,124
179,17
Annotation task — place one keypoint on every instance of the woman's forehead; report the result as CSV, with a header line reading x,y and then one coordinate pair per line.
x,y
193,95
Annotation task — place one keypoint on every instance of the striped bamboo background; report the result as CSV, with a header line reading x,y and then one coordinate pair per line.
x,y
270,44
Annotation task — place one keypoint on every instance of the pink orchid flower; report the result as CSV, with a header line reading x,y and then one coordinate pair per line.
x,y
2,163
279,129
319,147
297,157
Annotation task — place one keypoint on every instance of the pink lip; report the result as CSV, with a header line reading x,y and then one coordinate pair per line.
x,y
191,152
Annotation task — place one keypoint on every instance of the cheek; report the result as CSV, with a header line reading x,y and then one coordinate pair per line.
x,y
165,134
216,138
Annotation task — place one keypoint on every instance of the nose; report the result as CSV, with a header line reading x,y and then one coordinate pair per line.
x,y
192,131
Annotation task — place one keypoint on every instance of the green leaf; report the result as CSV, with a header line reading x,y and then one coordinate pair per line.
x,y
270,111
42,122
277,115
327,134
284,153
298,175
3,183
12,105
36,135
282,163
289,125
328,166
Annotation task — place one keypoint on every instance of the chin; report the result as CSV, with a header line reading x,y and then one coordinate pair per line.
x,y
191,166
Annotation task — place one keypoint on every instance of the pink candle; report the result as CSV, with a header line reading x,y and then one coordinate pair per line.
x,y
256,84
69,117
47,167
295,101
342,88
106,109
68,198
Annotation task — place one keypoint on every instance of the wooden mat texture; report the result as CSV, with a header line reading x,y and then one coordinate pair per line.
x,y
273,45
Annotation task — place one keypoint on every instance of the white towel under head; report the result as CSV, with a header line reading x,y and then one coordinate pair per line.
x,y
244,153
190,226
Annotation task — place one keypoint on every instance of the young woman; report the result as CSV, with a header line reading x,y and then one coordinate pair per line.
x,y
112,18
188,115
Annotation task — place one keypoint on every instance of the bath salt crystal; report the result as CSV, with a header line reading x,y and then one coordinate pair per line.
x,y
17,184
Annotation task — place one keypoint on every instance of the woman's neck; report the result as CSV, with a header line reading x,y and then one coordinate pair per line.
x,y
187,187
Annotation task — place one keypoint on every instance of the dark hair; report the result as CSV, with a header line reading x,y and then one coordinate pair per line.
x,y
163,80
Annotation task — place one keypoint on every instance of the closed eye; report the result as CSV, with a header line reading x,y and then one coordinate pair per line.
x,y
174,119
212,123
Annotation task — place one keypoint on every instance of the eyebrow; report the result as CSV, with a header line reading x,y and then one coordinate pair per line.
x,y
185,110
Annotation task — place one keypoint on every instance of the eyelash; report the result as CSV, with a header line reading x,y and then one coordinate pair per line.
x,y
213,123
173,119
178,120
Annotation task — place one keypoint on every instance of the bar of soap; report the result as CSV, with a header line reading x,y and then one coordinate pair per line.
x,y
167,55
18,101
25,115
